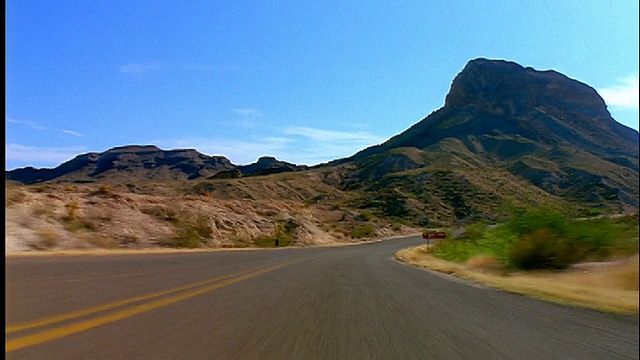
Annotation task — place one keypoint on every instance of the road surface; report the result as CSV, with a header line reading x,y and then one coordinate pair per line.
x,y
352,302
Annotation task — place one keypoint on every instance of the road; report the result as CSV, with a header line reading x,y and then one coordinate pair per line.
x,y
352,302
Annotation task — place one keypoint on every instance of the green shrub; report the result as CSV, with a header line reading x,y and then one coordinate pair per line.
x,y
362,231
544,239
541,250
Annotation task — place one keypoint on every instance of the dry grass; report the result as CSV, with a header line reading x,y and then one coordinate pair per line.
x,y
14,195
49,239
484,262
611,288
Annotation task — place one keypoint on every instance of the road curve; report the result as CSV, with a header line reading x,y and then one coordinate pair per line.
x,y
351,302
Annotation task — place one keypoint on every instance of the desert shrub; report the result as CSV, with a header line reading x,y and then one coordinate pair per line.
x,y
14,196
49,238
551,241
188,234
161,212
364,215
72,210
80,224
284,233
41,188
544,239
542,250
101,242
342,231
362,231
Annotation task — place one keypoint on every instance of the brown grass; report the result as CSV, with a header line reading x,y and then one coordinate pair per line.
x,y
49,238
611,288
484,262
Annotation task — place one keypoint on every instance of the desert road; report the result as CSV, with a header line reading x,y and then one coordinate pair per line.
x,y
352,302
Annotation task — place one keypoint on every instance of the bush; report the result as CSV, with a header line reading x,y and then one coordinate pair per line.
x,y
362,231
544,239
541,250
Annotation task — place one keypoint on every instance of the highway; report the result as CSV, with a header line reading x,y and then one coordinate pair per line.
x,y
351,302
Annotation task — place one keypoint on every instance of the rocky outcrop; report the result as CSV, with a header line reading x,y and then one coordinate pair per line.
x,y
269,165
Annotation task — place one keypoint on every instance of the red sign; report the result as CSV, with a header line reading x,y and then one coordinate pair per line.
x,y
434,235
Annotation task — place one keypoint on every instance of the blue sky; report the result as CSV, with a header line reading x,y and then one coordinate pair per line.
x,y
305,81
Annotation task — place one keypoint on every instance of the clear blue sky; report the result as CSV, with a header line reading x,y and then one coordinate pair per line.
x,y
305,81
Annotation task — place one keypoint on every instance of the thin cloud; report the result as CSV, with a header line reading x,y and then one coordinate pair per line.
x,y
142,67
249,119
40,156
34,125
30,124
237,151
248,112
624,94
71,132
299,145
332,135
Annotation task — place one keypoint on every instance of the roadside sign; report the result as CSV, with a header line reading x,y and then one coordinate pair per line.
x,y
434,235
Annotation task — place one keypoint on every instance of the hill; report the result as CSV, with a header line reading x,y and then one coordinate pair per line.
x,y
507,137
540,126
147,163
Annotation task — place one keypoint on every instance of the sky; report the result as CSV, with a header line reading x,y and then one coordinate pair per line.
x,y
304,81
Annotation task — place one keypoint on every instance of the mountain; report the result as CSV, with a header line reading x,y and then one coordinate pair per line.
x,y
147,163
499,117
507,136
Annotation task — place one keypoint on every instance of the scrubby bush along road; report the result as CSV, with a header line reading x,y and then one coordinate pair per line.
x,y
313,303
545,239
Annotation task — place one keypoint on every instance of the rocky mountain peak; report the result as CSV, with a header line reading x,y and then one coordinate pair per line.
x,y
502,87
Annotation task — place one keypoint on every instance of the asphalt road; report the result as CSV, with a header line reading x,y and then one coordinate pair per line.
x,y
352,302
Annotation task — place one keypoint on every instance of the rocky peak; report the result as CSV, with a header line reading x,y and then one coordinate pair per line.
x,y
501,87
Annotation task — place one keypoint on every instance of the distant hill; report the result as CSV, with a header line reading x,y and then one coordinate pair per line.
x,y
147,163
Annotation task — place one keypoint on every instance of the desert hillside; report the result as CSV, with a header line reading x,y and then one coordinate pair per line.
x,y
299,211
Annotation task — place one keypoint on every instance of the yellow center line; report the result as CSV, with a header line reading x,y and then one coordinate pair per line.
x,y
63,317
53,334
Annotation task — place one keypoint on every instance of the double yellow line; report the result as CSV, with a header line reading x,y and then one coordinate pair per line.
x,y
76,327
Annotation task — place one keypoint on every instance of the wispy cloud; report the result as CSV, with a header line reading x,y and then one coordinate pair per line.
x,y
321,145
300,145
39,156
28,123
249,118
332,135
248,112
71,132
35,126
239,151
624,94
142,67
